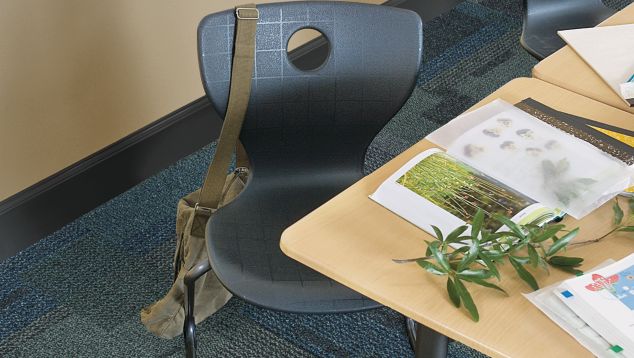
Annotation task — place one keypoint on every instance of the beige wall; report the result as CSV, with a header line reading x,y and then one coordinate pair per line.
x,y
78,75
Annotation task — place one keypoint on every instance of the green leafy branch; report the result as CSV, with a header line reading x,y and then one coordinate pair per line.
x,y
481,251
621,223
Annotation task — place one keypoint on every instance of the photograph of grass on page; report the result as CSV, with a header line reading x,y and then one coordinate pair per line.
x,y
435,190
461,190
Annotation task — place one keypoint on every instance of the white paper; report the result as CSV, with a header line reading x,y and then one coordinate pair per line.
x,y
627,90
609,50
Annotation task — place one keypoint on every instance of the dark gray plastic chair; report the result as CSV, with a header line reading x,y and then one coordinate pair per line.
x,y
543,18
306,134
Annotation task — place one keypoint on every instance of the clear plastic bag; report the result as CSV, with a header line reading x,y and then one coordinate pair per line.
x,y
530,156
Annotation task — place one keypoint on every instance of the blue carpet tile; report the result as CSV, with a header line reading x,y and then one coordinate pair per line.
x,y
78,292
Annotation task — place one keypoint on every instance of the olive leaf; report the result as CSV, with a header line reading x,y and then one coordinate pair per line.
x,y
489,264
547,233
438,232
465,296
533,256
454,236
511,225
480,274
476,225
471,255
453,293
618,212
484,283
523,273
565,261
561,243
431,267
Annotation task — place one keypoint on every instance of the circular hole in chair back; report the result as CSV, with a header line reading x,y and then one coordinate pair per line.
x,y
308,49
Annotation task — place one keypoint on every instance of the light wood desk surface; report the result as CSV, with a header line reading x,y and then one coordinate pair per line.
x,y
353,240
567,70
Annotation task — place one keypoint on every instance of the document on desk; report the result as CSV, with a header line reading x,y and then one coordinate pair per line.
x,y
503,160
604,299
596,308
545,299
609,50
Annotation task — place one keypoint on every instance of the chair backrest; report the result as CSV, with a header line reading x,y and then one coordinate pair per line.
x,y
331,112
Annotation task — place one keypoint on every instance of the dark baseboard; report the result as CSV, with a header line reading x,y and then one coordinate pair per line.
x,y
37,211
46,206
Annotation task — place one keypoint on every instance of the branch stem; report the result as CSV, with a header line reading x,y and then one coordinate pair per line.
x,y
593,241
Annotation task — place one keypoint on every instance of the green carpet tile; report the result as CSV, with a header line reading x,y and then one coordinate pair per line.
x,y
78,292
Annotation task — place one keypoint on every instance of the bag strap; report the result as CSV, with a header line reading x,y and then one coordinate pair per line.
x,y
240,89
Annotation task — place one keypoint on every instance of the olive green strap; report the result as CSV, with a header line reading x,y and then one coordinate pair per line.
x,y
239,92
242,160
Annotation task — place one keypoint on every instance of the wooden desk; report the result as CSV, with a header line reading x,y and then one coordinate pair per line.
x,y
567,70
353,240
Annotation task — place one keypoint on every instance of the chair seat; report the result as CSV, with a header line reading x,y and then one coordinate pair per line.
x,y
243,241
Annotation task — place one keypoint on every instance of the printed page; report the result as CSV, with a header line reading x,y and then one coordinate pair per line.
x,y
435,189
605,299
545,299
594,319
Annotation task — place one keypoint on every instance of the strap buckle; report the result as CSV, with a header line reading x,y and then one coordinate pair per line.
x,y
198,209
247,13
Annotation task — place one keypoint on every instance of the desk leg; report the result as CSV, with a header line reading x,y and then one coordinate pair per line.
x,y
426,342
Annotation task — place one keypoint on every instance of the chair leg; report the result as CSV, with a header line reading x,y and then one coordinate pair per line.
x,y
426,342
411,326
189,324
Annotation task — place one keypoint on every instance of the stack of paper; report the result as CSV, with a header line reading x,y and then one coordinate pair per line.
x,y
609,50
596,308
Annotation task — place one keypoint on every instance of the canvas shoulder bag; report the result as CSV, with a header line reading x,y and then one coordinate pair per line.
x,y
165,317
